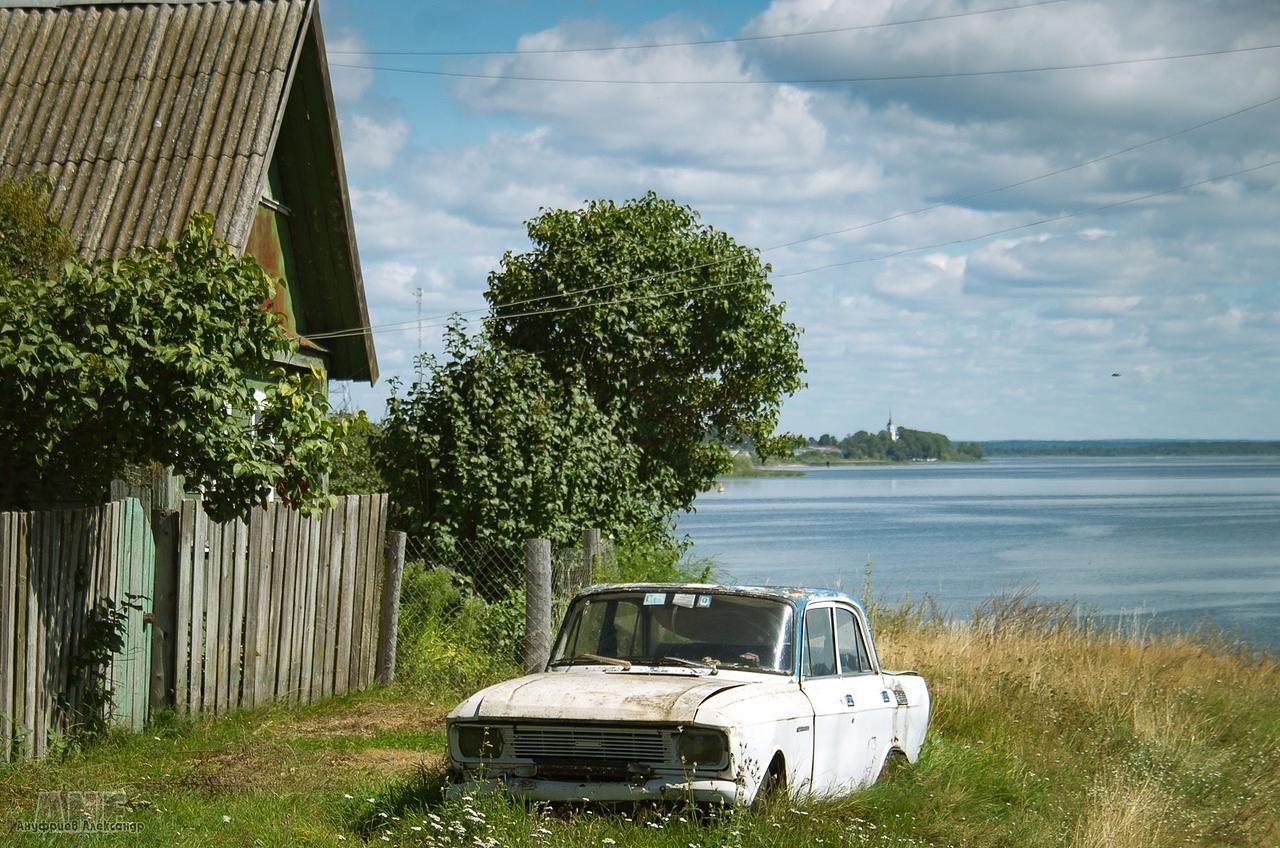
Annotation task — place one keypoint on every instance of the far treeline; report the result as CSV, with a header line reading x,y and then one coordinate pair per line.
x,y
1131,447
909,446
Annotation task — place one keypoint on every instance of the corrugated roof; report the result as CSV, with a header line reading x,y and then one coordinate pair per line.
x,y
145,112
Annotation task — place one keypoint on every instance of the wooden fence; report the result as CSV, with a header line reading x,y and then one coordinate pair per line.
x,y
214,616
284,607
60,571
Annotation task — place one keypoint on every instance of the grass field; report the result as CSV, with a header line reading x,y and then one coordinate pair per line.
x,y
1042,735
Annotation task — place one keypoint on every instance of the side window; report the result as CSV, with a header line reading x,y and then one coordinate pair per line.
x,y
819,644
853,653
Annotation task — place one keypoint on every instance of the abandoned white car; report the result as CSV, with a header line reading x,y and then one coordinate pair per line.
x,y
697,692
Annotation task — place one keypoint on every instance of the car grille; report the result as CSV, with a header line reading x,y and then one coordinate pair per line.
x,y
598,744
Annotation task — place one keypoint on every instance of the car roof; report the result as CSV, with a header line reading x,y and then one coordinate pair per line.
x,y
798,595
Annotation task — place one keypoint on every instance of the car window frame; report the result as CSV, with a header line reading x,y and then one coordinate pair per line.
x,y
861,633
804,643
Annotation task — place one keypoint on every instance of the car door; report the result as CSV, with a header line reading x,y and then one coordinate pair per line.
x,y
869,701
833,712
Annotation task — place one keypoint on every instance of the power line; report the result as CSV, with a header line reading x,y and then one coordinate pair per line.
x,y
699,42
878,258
818,80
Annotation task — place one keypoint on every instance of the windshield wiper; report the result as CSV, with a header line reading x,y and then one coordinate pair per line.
x,y
583,659
687,663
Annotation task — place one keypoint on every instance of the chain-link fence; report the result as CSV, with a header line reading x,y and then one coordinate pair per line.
x,y
462,605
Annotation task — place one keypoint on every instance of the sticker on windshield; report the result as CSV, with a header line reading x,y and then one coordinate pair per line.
x,y
682,600
655,599
704,601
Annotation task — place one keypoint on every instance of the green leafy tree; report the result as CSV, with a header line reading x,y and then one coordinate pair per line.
x,y
31,243
144,359
355,471
669,324
486,447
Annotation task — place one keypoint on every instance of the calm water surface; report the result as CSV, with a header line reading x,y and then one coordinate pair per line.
x,y
1181,541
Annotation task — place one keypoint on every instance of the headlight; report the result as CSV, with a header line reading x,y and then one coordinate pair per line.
x,y
478,740
706,748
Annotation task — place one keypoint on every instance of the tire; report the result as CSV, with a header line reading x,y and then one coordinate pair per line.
x,y
773,785
895,767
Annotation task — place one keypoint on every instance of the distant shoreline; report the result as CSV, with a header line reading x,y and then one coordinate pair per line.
x,y
1129,447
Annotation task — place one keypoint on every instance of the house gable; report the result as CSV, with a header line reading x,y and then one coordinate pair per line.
x,y
144,113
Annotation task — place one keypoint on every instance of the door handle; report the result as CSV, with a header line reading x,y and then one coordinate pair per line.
x,y
848,700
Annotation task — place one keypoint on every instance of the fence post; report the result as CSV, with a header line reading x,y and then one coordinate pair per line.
x,y
537,604
164,606
590,551
389,611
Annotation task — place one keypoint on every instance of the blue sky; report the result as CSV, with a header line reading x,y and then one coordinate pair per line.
x,y
1012,335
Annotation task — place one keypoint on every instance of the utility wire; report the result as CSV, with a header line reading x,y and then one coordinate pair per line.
x,y
818,80
700,42
878,258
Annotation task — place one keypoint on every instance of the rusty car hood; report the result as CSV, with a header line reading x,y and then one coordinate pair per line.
x,y
593,696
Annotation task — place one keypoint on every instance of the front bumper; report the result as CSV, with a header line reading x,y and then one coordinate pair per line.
x,y
709,790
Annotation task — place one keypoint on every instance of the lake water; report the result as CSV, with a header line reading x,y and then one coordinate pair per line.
x,y
1179,540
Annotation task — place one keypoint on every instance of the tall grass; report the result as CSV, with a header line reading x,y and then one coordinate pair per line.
x,y
1049,728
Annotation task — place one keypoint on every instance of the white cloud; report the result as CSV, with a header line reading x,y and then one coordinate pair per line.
x,y
370,143
349,83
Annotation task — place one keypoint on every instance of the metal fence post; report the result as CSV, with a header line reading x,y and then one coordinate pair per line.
x,y
537,604
389,612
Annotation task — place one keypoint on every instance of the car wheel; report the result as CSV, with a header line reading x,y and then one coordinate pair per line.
x,y
773,785
896,765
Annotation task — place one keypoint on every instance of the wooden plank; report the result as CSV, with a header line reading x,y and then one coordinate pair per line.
x,y
369,614
78,577
92,594
342,668
320,625
253,592
359,606
298,649
337,529
212,614
142,588
279,550
239,594
8,577
122,688
134,660
376,565
299,609
164,602
182,617
22,616
262,647
72,551
38,685
309,620
284,657
226,587
199,605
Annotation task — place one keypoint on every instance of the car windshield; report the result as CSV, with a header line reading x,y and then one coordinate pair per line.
x,y
695,629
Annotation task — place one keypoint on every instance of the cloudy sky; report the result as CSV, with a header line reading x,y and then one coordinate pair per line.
x,y
977,312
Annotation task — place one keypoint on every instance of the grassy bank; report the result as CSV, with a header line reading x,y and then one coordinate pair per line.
x,y
744,466
1043,734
